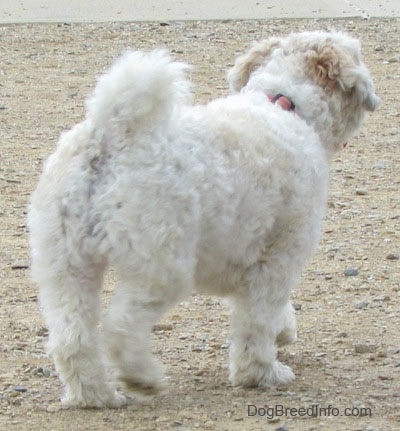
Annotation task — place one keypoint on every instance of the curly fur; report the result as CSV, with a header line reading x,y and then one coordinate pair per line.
x,y
226,198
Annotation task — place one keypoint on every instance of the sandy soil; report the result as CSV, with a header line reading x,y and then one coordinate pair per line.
x,y
348,354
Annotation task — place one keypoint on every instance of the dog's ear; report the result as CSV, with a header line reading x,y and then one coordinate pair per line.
x,y
371,101
246,64
356,78
323,65
336,68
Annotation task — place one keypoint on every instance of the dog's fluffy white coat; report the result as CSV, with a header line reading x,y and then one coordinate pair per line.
x,y
226,198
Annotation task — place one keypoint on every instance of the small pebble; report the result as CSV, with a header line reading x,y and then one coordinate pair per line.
x,y
41,372
350,272
363,348
392,256
382,354
273,421
53,408
320,354
162,327
361,305
20,264
19,389
380,377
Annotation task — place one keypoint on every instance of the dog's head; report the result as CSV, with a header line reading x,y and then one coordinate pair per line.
x,y
321,72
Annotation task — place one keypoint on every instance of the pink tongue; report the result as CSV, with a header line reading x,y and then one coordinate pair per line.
x,y
284,103
344,145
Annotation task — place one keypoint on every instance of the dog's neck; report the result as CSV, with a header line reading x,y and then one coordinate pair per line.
x,y
287,105
284,102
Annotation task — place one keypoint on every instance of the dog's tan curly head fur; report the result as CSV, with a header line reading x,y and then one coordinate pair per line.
x,y
246,64
325,59
321,72
323,65
332,67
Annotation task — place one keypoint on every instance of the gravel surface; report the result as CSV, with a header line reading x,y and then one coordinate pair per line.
x,y
347,359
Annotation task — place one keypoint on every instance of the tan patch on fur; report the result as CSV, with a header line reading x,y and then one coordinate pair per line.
x,y
246,64
323,65
338,70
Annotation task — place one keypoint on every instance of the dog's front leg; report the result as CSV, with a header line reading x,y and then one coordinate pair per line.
x,y
262,318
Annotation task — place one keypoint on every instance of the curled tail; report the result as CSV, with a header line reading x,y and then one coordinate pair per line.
x,y
139,90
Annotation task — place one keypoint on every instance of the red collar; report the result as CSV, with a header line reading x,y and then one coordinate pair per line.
x,y
284,102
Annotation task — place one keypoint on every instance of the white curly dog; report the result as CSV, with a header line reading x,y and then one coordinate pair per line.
x,y
226,199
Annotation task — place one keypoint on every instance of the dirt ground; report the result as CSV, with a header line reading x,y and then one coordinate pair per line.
x,y
347,359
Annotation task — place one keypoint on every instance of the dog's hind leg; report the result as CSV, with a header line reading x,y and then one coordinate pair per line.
x,y
262,318
137,305
70,298
154,261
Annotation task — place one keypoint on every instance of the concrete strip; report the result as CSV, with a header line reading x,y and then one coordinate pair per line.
x,y
376,8
19,11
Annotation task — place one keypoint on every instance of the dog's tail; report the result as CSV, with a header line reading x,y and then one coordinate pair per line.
x,y
141,90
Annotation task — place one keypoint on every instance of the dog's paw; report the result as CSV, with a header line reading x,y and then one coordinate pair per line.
x,y
142,377
278,375
142,387
257,374
88,399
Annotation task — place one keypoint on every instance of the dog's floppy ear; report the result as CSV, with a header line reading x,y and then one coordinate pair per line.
x,y
332,67
323,65
356,78
371,101
246,64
